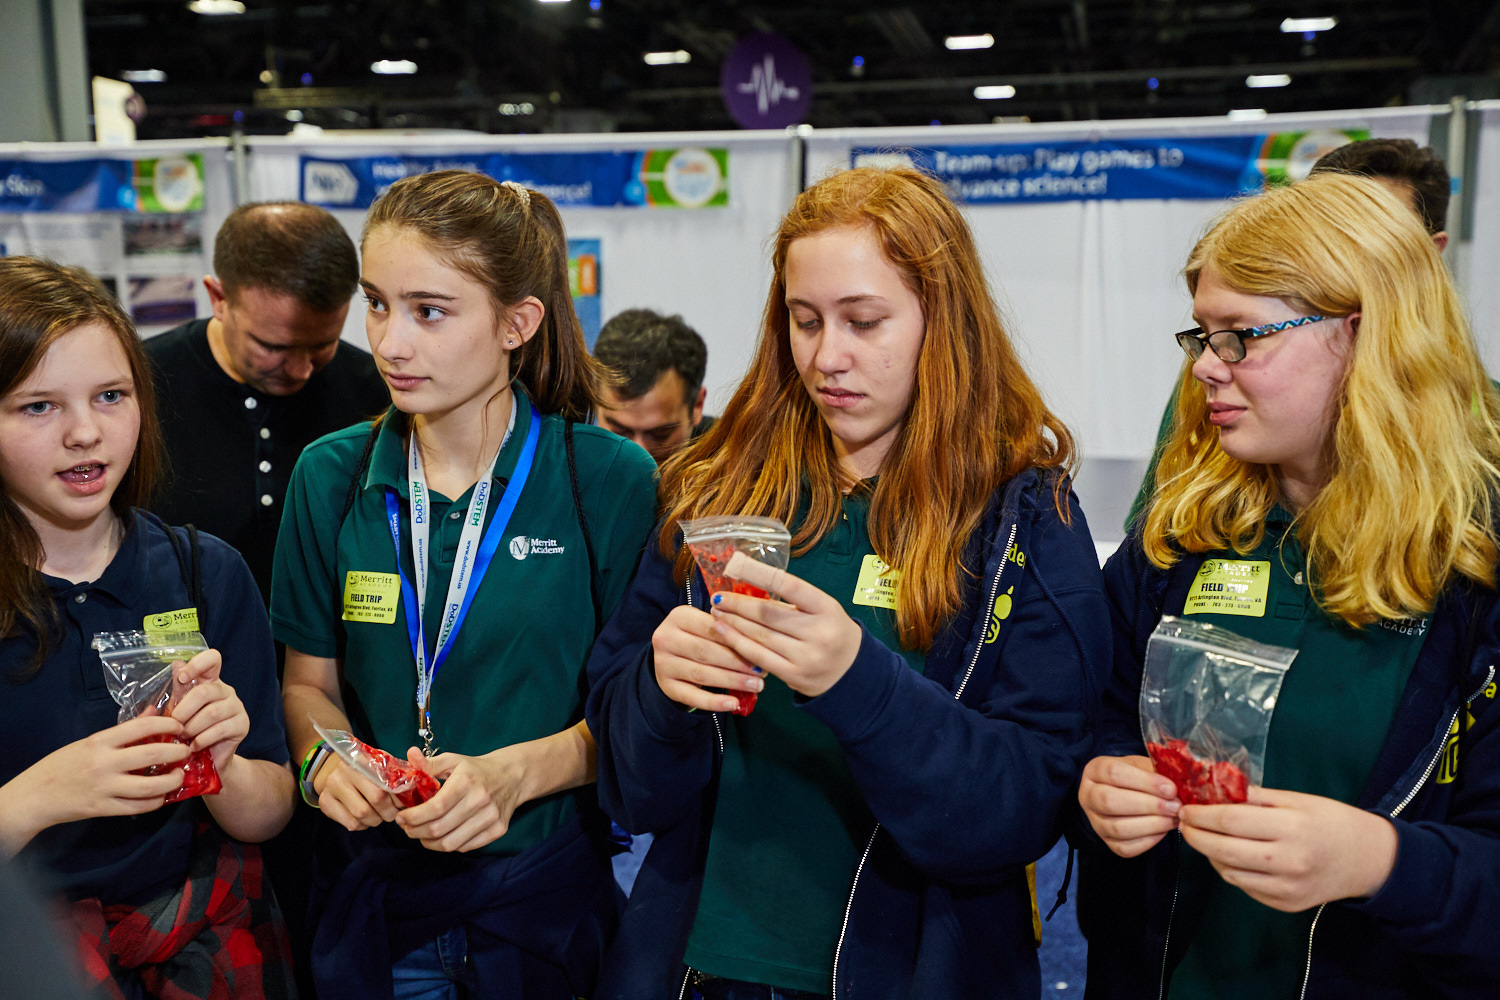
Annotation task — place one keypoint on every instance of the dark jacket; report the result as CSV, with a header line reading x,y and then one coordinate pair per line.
x,y
1433,930
965,767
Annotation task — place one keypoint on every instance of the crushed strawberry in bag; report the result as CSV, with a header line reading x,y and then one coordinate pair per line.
x,y
1207,696
713,541
409,784
1199,782
138,674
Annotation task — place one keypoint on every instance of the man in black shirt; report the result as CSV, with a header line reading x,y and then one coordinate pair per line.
x,y
661,362
243,392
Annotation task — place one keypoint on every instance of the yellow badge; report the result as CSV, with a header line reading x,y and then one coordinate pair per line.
x,y
1229,587
371,597
877,584
165,622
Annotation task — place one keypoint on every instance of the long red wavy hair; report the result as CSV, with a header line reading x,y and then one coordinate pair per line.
x,y
976,418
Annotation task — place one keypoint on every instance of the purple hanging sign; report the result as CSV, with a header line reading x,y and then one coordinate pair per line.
x,y
767,82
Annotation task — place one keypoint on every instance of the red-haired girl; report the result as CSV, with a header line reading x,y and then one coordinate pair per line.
x,y
866,831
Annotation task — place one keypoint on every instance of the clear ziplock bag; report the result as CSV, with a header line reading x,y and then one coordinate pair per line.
x,y
408,784
138,674
1207,697
714,540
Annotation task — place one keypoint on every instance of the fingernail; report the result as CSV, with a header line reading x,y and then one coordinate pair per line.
x,y
1171,808
729,705
182,677
757,670
718,598
754,684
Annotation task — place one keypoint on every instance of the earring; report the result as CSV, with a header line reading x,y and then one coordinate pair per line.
x,y
510,345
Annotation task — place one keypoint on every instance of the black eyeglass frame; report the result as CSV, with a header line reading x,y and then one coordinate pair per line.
x,y
1230,344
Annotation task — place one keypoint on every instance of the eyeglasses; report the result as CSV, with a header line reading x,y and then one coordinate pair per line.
x,y
1229,345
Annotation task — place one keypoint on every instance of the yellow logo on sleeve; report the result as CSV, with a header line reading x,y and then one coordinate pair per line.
x,y
1003,605
371,597
1229,587
164,622
877,584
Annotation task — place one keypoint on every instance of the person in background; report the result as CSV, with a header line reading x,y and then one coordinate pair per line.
x,y
660,361
1415,174
244,391
167,900
925,684
1338,445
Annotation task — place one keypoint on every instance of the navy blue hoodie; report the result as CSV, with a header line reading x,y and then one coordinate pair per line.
x,y
965,767
1433,930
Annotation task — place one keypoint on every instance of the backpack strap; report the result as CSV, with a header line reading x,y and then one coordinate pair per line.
x,y
588,542
190,564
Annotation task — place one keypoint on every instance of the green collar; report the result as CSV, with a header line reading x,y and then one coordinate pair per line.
x,y
388,459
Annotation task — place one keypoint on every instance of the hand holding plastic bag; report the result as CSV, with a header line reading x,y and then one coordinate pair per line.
x,y
407,783
138,671
714,540
1206,702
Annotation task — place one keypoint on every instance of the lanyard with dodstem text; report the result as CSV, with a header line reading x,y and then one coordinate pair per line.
x,y
469,565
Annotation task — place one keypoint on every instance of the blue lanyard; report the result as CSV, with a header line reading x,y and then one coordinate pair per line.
x,y
492,536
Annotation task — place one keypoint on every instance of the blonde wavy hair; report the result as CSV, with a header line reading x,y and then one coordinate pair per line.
x,y
1414,455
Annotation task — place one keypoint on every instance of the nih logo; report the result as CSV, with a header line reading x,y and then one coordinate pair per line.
x,y
325,183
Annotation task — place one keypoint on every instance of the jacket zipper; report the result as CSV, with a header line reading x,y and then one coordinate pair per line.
x,y
973,662
1161,991
687,972
1431,766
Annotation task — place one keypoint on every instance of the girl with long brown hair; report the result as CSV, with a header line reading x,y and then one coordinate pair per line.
x,y
924,682
478,483
167,897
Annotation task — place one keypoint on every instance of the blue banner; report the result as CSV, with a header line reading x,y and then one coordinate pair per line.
x,y
158,184
66,186
1205,167
689,177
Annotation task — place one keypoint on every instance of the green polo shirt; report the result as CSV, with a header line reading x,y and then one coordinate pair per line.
x,y
789,823
1336,705
515,671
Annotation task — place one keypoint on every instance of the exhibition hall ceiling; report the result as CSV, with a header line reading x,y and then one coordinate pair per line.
x,y
510,66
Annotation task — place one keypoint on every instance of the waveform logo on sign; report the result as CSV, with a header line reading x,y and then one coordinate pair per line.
x,y
767,87
766,82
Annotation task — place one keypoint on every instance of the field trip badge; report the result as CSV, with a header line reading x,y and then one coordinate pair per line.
x,y
877,585
1229,587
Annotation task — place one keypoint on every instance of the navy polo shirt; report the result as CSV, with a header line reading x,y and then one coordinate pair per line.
x,y
130,859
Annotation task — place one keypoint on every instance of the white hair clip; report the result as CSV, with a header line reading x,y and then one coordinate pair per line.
x,y
520,190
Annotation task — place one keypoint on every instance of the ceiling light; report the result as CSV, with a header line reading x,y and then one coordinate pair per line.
x,y
995,93
668,58
554,1
144,76
1292,25
969,41
216,7
1267,80
1247,114
389,67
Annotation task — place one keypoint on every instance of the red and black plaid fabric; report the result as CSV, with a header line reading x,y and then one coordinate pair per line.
x,y
219,937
